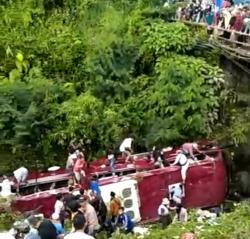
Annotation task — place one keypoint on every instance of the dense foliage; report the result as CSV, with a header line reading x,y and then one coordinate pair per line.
x,y
229,226
97,71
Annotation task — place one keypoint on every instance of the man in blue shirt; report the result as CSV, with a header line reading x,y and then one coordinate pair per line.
x,y
56,222
124,221
94,186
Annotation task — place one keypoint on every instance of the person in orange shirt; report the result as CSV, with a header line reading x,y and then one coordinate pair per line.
x,y
78,167
115,205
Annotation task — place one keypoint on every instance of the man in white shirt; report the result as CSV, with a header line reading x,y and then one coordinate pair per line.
x,y
59,207
79,226
6,187
126,148
21,175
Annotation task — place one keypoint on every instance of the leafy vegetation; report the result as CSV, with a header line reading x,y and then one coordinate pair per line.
x,y
231,225
97,71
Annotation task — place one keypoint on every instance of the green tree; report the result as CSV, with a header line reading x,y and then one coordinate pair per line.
x,y
96,71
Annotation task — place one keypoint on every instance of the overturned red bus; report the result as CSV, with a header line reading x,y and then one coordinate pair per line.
x,y
140,185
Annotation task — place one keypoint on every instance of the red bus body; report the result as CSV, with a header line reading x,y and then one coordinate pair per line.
x,y
206,183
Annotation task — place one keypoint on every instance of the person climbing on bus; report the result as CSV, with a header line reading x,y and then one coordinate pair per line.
x,y
126,148
184,157
155,154
189,149
21,175
111,160
158,158
182,160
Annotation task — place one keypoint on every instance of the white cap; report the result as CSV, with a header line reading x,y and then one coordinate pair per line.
x,y
55,216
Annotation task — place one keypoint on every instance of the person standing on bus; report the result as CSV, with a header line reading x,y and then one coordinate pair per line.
x,y
21,175
78,168
126,148
111,160
72,157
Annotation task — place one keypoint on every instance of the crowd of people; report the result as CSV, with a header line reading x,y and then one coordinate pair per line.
x,y
228,16
172,208
87,213
85,207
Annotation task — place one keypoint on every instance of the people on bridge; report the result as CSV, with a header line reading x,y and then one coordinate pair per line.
x,y
227,20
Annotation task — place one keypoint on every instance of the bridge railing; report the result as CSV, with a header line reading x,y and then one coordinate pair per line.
x,y
235,38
